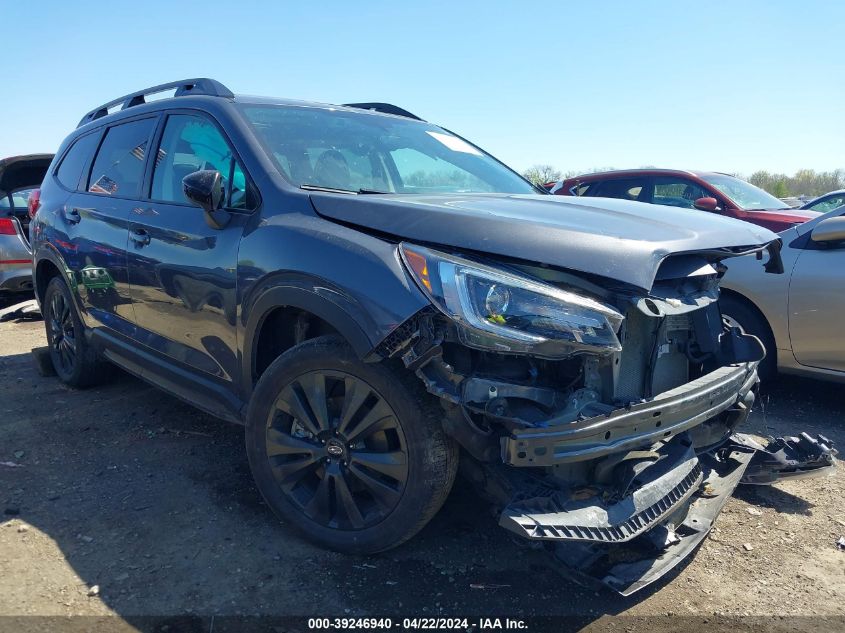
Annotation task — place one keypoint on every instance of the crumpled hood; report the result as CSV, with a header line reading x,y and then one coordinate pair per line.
x,y
617,239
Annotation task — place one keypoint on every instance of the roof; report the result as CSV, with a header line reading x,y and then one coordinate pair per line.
x,y
648,170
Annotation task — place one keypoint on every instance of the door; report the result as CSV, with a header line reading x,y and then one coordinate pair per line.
x,y
817,306
95,220
182,272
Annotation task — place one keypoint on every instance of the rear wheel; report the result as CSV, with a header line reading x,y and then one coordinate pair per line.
x,y
76,364
346,451
739,313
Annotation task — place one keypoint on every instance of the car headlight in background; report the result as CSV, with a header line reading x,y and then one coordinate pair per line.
x,y
505,312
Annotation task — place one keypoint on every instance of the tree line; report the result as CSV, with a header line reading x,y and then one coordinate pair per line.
x,y
805,182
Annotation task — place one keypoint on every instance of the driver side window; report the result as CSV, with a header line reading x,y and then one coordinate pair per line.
x,y
677,192
191,143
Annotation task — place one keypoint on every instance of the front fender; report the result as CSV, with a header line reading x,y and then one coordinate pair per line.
x,y
350,279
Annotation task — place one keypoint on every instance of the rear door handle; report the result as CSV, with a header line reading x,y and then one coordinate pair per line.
x,y
72,215
139,236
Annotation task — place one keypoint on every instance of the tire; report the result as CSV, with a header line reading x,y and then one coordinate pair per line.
x,y
751,322
75,362
351,454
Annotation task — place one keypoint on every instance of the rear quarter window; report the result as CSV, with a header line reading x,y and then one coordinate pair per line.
x,y
119,166
69,172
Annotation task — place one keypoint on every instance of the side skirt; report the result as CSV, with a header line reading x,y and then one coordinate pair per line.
x,y
198,391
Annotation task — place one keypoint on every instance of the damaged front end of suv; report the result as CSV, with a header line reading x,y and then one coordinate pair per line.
x,y
600,418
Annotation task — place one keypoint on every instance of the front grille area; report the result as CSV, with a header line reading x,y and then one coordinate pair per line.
x,y
652,359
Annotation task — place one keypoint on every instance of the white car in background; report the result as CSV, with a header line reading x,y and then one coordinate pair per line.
x,y
20,178
798,315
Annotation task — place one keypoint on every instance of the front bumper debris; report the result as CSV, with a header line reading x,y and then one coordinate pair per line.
x,y
630,542
573,516
666,415
789,458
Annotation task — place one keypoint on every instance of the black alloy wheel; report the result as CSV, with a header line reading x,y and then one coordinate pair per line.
x,y
351,454
336,449
62,333
75,362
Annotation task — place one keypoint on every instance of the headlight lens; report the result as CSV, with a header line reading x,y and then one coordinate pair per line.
x,y
500,311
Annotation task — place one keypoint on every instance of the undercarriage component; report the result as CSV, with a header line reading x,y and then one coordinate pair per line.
x,y
673,474
789,458
628,567
657,508
668,414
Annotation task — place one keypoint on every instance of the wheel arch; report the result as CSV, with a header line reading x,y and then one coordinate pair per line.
x,y
270,327
741,298
48,264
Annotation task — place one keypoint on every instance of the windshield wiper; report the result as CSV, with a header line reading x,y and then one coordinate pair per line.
x,y
326,189
308,187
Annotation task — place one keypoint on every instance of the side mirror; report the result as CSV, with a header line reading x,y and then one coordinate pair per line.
x,y
829,230
707,204
204,188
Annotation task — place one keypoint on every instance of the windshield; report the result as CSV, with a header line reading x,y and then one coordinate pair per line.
x,y
744,194
370,153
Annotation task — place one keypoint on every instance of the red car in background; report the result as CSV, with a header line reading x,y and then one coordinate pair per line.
x,y
706,191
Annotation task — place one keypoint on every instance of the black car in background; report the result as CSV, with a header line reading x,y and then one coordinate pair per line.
x,y
375,298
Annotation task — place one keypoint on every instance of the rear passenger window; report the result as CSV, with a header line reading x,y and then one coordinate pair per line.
x,y
628,189
119,166
70,170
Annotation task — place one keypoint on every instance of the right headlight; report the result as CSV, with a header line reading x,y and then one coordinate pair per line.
x,y
500,311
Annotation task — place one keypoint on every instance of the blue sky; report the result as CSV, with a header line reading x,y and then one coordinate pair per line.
x,y
729,86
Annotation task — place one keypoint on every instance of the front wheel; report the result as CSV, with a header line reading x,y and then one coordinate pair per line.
x,y
348,452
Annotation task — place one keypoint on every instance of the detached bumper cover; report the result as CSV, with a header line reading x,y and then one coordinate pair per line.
x,y
556,515
627,568
667,510
664,416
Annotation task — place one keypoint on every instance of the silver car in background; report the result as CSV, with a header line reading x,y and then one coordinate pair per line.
x,y
800,315
20,177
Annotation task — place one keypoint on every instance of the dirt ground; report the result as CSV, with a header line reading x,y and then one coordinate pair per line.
x,y
131,491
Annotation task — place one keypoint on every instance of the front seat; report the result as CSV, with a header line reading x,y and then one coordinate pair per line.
x,y
331,170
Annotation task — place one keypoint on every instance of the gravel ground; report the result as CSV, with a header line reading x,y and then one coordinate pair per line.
x,y
125,501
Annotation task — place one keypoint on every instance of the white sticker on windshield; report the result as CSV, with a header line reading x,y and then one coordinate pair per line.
x,y
454,143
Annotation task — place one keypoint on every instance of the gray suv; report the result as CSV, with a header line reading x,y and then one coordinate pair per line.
x,y
376,299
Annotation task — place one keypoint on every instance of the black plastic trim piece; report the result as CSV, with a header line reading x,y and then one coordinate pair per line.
x,y
186,385
196,86
384,108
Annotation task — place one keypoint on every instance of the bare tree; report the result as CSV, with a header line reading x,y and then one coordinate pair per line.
x,y
541,174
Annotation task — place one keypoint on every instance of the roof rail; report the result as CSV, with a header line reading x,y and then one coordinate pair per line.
x,y
198,86
385,108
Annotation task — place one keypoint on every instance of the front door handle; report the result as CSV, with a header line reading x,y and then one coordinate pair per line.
x,y
72,215
139,236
